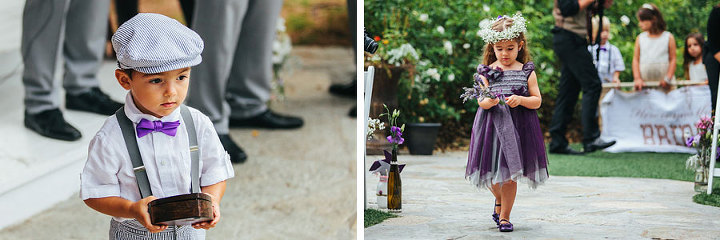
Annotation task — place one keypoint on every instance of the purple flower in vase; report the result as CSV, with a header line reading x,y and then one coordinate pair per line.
x,y
689,141
395,135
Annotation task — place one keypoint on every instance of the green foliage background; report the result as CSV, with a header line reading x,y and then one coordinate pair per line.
x,y
400,21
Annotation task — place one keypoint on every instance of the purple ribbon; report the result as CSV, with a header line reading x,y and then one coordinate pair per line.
x,y
603,49
146,126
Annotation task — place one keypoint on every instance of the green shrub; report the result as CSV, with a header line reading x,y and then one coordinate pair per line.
x,y
431,99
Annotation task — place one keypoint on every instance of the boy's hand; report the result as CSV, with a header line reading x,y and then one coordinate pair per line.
x,y
140,211
513,101
216,216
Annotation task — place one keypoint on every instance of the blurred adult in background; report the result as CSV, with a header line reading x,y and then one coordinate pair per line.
x,y
711,53
127,9
349,89
570,40
74,30
232,84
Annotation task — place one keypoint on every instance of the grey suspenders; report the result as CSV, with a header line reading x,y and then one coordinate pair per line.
x,y
128,131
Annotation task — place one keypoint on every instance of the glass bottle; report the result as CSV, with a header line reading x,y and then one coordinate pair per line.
x,y
394,185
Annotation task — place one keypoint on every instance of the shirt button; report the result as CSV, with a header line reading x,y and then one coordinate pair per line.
x,y
162,163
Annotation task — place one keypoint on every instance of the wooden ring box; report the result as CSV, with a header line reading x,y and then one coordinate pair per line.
x,y
185,209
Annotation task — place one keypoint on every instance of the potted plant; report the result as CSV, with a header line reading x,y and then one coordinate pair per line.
x,y
394,59
427,104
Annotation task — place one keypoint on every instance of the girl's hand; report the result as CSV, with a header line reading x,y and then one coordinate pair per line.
x,y
639,83
494,101
513,100
665,83
216,216
140,211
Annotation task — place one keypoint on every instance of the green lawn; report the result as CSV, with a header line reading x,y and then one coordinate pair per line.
x,y
638,165
373,217
603,164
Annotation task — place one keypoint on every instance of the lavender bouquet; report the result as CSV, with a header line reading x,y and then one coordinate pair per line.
x,y
479,89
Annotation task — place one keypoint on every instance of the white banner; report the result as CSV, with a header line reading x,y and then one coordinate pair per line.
x,y
652,121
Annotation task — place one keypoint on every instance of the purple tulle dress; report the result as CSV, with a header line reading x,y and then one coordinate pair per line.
x,y
507,143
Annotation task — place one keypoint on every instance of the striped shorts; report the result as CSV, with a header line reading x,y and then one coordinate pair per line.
x,y
133,230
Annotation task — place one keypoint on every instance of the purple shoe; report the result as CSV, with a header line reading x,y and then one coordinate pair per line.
x,y
495,215
505,227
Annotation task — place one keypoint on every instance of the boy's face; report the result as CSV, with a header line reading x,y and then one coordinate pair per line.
x,y
156,94
693,47
604,35
507,51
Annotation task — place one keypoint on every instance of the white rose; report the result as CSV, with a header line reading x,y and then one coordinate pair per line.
x,y
486,8
466,45
423,17
441,29
451,77
448,47
625,20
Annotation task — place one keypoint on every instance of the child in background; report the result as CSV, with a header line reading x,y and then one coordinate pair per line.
x,y
610,63
654,58
692,58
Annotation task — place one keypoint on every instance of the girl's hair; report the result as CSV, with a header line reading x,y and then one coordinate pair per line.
x,y
687,59
650,12
499,26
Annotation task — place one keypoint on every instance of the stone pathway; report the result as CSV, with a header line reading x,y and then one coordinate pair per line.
x,y
438,203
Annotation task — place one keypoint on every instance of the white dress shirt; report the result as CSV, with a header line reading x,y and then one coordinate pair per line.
x,y
611,61
109,172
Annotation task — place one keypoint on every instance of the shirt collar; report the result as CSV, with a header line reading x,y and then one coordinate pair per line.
x,y
134,114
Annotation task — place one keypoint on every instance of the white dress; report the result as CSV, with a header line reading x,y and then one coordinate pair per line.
x,y
697,72
654,57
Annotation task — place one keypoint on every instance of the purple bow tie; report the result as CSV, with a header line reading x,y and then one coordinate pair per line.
x,y
603,49
146,126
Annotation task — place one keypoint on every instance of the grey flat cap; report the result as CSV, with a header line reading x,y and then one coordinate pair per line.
x,y
153,43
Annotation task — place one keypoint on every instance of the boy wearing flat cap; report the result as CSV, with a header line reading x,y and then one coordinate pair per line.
x,y
154,147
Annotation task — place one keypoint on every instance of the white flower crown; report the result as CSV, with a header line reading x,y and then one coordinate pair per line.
x,y
491,36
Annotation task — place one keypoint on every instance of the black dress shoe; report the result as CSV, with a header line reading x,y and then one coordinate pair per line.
x,y
94,101
268,119
50,123
597,145
237,155
348,90
567,150
353,112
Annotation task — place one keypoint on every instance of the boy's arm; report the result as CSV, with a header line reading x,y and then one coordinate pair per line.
x,y
216,191
120,207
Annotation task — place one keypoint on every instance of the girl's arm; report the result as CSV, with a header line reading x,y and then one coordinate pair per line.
x,y
532,101
487,103
120,207
671,57
216,191
637,78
